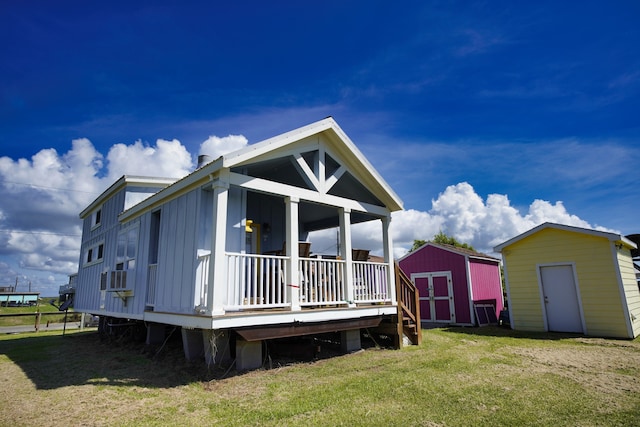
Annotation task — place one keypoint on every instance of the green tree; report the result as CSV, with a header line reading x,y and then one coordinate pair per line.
x,y
443,239
417,244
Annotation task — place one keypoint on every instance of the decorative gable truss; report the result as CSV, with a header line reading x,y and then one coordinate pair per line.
x,y
311,167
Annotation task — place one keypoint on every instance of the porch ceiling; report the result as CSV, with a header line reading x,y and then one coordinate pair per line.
x,y
280,170
283,170
316,217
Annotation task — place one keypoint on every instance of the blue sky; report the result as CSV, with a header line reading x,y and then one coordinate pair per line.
x,y
485,117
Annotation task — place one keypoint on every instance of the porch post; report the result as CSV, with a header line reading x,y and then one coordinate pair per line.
x,y
345,245
292,275
217,288
387,244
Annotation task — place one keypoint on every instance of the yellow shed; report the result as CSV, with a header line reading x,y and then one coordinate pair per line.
x,y
569,279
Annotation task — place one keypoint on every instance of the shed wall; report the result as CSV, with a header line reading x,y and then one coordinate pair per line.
x,y
486,284
631,290
429,259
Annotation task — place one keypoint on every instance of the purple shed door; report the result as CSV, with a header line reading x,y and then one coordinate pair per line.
x,y
442,298
422,283
436,296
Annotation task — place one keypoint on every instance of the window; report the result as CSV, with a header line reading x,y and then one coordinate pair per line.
x,y
96,218
94,254
118,279
126,252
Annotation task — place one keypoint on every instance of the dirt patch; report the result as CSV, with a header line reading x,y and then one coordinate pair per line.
x,y
611,367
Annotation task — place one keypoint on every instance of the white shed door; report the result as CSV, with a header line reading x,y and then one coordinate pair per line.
x,y
560,298
436,296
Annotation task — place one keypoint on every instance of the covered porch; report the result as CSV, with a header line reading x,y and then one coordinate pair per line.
x,y
263,255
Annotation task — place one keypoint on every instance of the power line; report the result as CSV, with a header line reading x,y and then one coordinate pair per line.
x,y
48,188
40,232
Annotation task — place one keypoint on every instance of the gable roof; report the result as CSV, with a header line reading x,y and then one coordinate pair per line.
x,y
339,143
604,234
127,181
457,250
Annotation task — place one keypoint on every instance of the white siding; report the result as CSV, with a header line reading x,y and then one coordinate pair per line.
x,y
87,297
177,257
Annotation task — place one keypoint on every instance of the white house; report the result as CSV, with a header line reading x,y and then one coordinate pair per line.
x,y
225,252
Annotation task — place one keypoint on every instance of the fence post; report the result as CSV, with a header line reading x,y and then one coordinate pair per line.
x,y
38,317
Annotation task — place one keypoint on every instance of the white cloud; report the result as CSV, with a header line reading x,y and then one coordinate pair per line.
x,y
42,197
215,146
166,159
460,212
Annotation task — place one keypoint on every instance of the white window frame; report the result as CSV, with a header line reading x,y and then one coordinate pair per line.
x,y
91,250
122,277
96,218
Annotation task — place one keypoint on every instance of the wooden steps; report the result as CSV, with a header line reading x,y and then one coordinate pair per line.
x,y
408,308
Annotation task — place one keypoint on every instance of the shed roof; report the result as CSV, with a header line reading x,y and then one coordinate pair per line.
x,y
456,249
604,234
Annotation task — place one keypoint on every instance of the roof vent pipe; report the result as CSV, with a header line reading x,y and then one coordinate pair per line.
x,y
203,159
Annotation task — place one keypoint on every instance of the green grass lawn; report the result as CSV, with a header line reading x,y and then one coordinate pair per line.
x,y
457,377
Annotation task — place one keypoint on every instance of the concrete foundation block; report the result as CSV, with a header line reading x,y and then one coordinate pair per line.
x,y
248,355
156,333
350,340
192,344
217,345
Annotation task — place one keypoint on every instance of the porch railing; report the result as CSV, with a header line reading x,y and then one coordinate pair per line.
x,y
256,281
321,282
370,283
202,281
152,280
259,281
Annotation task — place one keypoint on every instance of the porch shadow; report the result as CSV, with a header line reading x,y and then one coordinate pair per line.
x,y
81,358
55,361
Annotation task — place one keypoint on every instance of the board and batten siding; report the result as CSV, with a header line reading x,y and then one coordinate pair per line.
x,y
89,298
186,222
596,275
630,286
177,260
88,295
484,277
433,259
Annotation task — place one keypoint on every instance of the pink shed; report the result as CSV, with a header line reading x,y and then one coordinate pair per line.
x,y
457,286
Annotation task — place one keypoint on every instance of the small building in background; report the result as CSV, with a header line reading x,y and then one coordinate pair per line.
x,y
457,286
68,291
10,298
569,279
